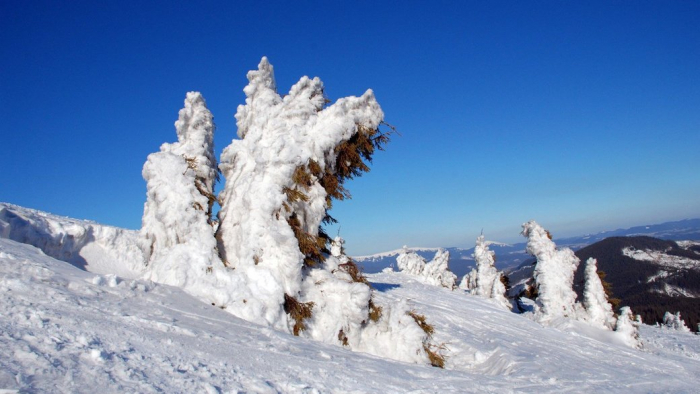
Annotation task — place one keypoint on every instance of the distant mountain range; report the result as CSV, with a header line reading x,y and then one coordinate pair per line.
x,y
510,256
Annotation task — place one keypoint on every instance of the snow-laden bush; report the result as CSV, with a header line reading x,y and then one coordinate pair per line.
x,y
628,327
553,274
436,272
410,262
598,310
674,322
485,280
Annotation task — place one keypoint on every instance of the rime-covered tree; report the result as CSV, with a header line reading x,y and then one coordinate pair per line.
x,y
628,327
554,274
674,322
485,280
436,272
176,225
410,262
292,158
599,312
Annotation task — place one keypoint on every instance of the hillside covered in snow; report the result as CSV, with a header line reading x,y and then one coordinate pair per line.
x,y
70,325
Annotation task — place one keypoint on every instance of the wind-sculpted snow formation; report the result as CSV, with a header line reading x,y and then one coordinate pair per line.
x,y
266,259
485,280
436,272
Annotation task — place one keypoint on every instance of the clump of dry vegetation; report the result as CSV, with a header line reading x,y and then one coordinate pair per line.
x,y
434,352
298,311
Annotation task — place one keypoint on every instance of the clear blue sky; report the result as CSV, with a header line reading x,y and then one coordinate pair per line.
x,y
582,115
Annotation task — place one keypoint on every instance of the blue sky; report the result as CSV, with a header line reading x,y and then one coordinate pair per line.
x,y
582,115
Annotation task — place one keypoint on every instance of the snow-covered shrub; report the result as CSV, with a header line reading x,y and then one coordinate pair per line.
x,y
292,159
628,327
410,262
180,243
436,272
485,280
599,312
554,273
674,322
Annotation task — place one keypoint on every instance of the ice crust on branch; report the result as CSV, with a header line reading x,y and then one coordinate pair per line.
x,y
436,272
485,280
554,274
598,310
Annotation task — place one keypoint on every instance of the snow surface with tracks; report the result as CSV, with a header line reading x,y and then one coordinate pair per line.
x,y
65,329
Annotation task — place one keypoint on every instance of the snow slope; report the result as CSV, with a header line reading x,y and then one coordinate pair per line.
x,y
87,245
63,329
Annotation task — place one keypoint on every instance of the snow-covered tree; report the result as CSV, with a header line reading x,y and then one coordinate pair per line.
x,y
176,225
628,327
436,272
674,322
485,280
599,312
553,274
294,154
410,262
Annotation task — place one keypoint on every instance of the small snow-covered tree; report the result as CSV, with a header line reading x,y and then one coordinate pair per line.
x,y
628,327
180,179
553,274
598,310
674,322
410,262
436,272
485,280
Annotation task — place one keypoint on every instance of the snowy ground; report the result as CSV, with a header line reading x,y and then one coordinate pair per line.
x,y
67,330
88,324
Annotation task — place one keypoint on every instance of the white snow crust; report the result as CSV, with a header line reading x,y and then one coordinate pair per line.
x,y
87,245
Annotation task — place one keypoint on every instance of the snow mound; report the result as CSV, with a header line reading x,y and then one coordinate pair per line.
x,y
89,246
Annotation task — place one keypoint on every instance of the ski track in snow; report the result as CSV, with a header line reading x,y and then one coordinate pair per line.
x,y
66,330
